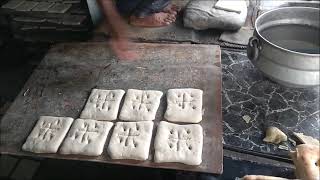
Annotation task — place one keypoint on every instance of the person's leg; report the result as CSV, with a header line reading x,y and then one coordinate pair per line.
x,y
149,7
153,13
127,7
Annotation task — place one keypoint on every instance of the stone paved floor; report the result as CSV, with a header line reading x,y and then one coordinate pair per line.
x,y
17,61
246,92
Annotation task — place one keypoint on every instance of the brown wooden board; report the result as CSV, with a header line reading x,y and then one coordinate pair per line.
x,y
62,82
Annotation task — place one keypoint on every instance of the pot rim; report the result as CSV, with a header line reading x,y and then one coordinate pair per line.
x,y
274,45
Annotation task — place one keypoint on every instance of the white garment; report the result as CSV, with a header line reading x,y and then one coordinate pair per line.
x,y
202,15
230,5
95,11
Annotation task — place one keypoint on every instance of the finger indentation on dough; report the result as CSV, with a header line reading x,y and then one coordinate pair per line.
x,y
135,140
47,134
51,136
76,135
180,102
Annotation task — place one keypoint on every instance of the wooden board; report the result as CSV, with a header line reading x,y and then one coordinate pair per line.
x,y
62,82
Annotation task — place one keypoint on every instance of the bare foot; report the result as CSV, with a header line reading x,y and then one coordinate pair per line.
x,y
155,20
172,9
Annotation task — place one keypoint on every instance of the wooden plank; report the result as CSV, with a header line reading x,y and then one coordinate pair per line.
x,y
62,83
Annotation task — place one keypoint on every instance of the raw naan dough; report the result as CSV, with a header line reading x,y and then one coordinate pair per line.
x,y
86,137
184,105
275,135
131,140
178,143
140,105
103,104
306,139
48,134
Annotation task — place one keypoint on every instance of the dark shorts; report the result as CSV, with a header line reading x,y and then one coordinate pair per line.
x,y
140,8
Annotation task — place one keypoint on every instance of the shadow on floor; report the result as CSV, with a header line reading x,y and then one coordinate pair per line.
x,y
17,61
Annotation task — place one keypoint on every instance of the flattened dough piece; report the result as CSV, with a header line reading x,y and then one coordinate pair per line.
x,y
131,140
306,139
86,137
103,104
178,143
140,105
184,105
48,134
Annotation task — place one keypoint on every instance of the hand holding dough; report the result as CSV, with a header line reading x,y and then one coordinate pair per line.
x,y
306,158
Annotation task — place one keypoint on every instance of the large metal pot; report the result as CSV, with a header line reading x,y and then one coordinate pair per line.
x,y
285,46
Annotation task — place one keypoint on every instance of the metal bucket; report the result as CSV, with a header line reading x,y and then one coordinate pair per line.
x,y
285,46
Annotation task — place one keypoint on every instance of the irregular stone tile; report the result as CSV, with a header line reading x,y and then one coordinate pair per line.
x,y
266,102
277,102
236,96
